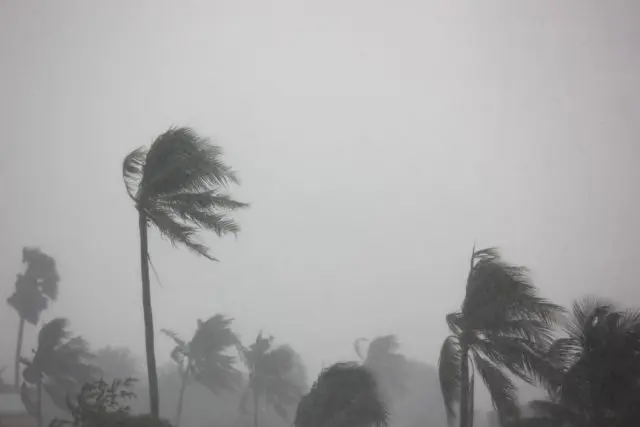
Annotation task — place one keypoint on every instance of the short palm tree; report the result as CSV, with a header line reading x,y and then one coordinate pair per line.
x,y
177,186
34,289
276,376
206,359
344,395
389,366
503,325
60,365
598,361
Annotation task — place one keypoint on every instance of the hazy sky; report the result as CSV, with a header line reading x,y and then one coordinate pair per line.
x,y
376,141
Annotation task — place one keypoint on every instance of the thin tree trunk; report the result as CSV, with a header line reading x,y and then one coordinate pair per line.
x,y
39,390
183,388
154,399
16,380
255,408
464,385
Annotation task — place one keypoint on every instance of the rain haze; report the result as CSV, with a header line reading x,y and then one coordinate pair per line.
x,y
377,142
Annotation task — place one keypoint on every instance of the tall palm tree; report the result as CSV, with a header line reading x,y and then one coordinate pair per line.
x,y
598,362
276,376
177,186
502,325
34,289
344,395
205,358
389,366
60,365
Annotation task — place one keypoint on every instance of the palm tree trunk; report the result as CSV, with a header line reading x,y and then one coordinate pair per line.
x,y
183,388
39,390
464,385
255,408
16,380
154,398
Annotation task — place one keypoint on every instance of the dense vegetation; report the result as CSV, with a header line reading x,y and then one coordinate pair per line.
x,y
587,362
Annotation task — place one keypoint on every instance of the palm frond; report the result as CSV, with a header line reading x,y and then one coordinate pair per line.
x,y
53,333
205,200
175,337
178,233
501,388
449,373
584,312
132,170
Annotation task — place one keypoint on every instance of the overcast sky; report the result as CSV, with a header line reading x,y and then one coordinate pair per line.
x,y
376,141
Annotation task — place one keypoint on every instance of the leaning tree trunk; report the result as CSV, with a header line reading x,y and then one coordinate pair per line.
x,y
255,408
16,378
184,373
154,399
39,391
464,385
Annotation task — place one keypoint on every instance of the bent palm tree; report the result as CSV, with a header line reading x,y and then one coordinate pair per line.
x,y
344,395
60,365
275,375
34,289
389,366
598,362
502,324
177,186
205,358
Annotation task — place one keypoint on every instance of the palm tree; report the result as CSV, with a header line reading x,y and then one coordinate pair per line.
x,y
59,365
598,370
276,375
205,358
177,186
344,395
34,289
389,366
502,324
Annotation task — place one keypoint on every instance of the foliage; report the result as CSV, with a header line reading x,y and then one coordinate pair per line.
x,y
344,395
116,362
389,367
503,325
179,185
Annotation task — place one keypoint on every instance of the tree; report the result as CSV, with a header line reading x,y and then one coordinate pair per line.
x,y
60,365
205,358
344,395
597,363
177,186
34,289
116,362
389,367
276,375
503,325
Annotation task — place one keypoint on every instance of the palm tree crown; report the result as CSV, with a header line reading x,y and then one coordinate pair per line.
x,y
502,324
389,366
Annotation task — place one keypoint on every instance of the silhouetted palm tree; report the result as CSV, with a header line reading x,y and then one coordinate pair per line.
x,y
34,289
60,365
276,375
205,358
344,395
389,366
598,367
177,186
502,324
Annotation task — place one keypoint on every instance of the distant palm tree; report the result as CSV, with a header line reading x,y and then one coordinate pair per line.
x,y
34,289
205,358
177,186
344,395
502,324
389,366
60,365
598,362
276,375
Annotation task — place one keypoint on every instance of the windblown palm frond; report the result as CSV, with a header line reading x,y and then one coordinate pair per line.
x,y
178,183
449,373
344,395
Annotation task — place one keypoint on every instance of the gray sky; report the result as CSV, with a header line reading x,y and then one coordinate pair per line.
x,y
376,140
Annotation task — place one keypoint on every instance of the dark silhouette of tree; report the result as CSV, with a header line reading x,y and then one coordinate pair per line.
x,y
205,358
389,366
34,289
502,325
276,376
177,186
344,395
60,365
597,362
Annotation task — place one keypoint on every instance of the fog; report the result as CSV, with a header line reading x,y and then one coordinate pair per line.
x,y
376,142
